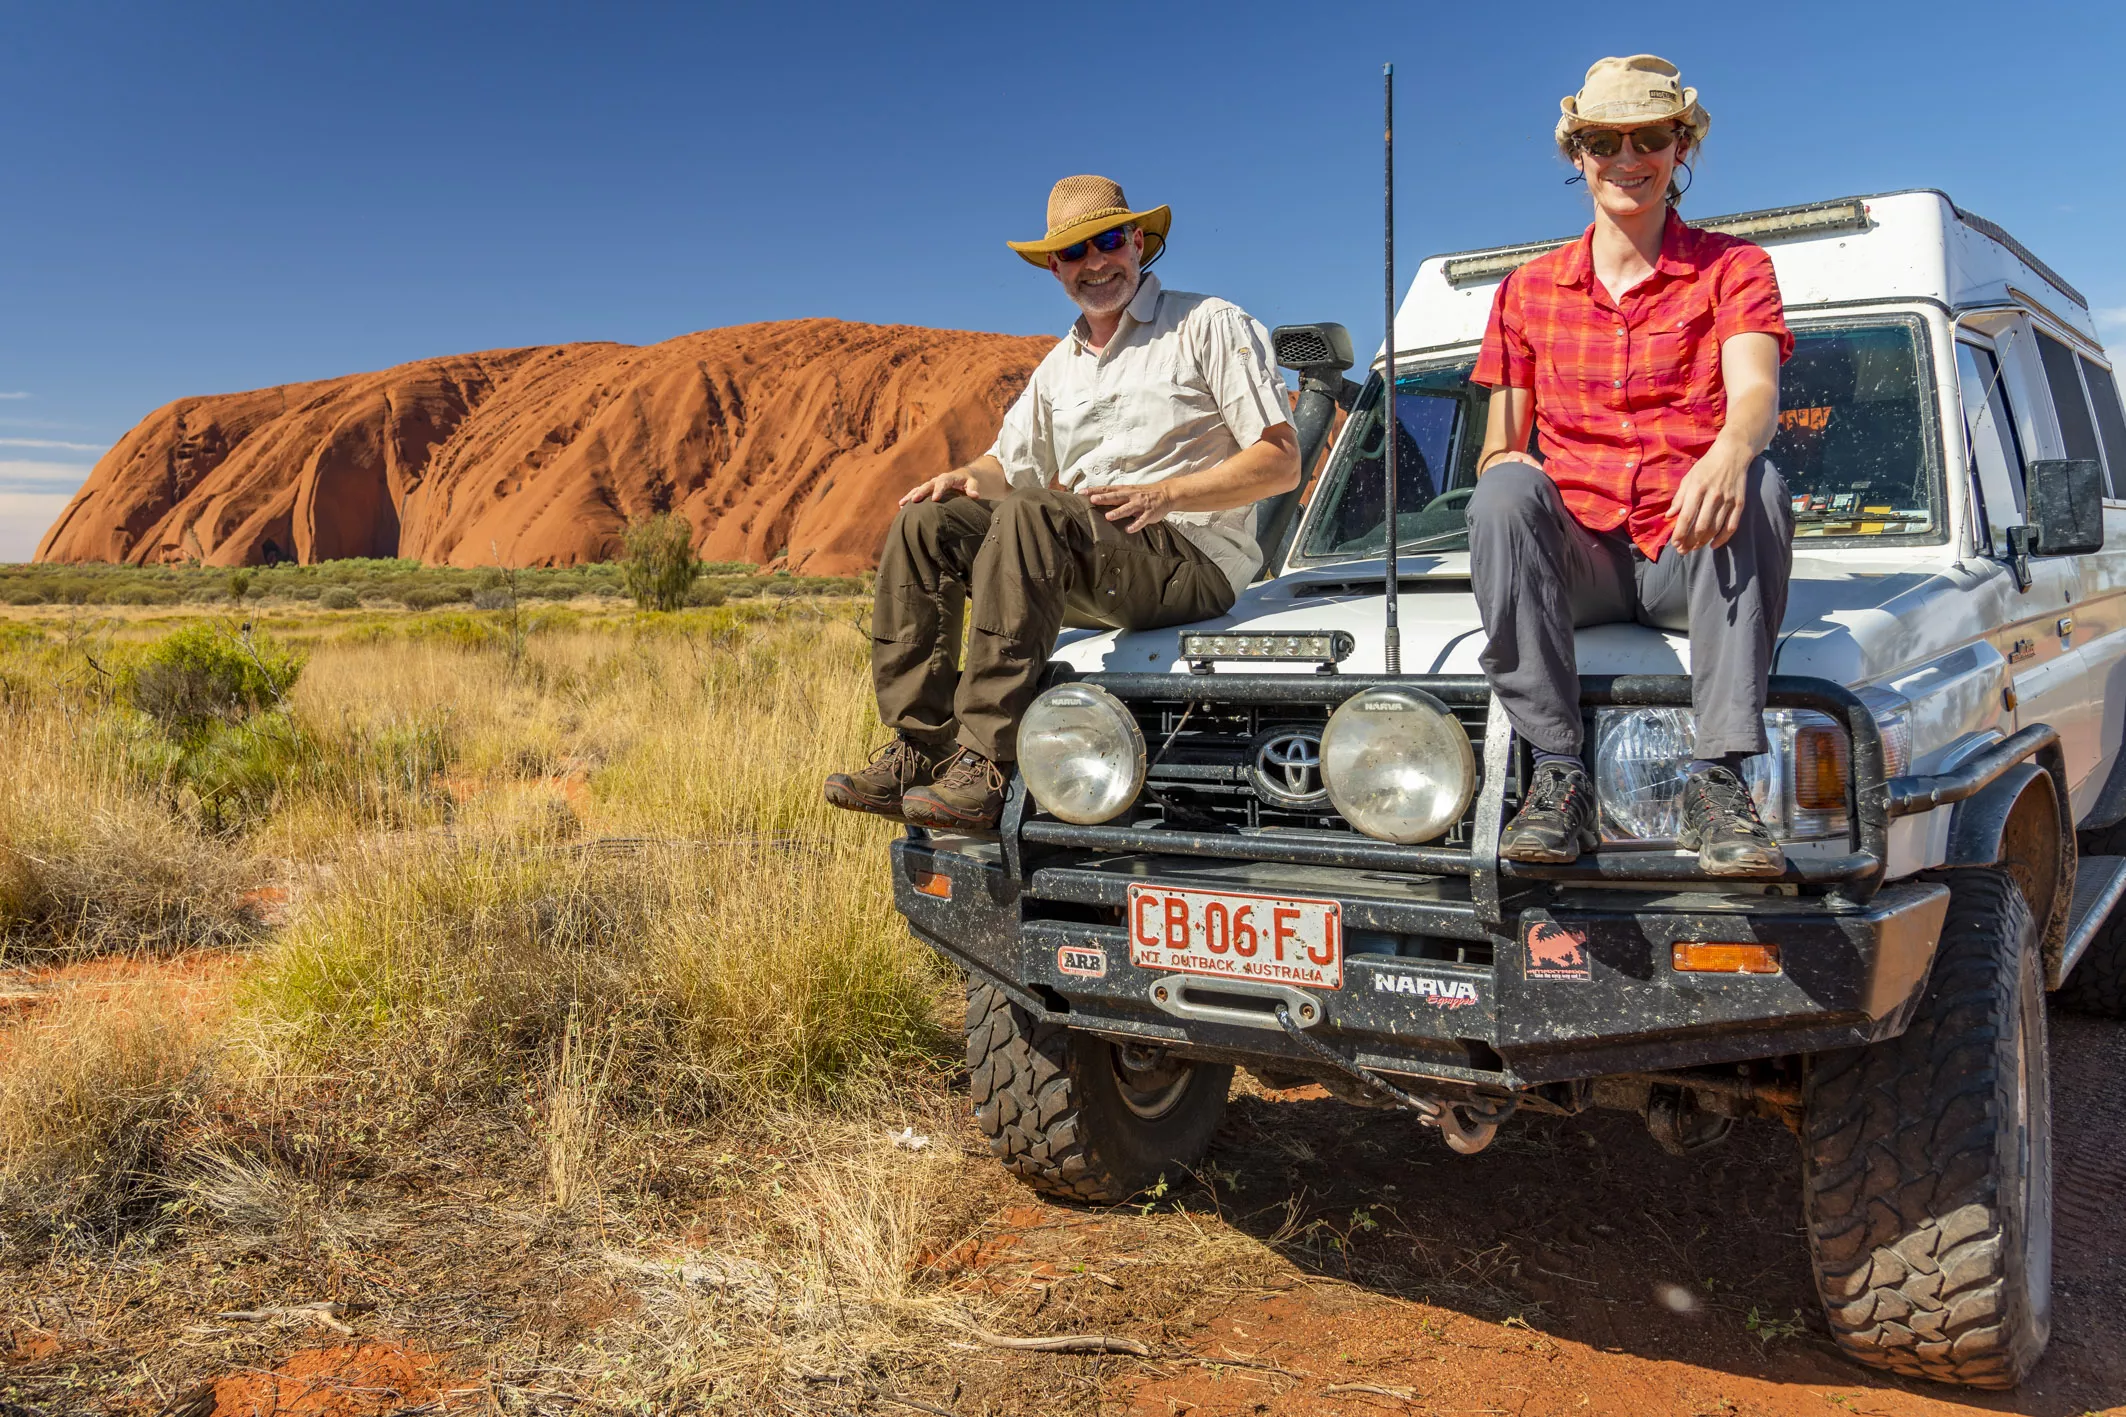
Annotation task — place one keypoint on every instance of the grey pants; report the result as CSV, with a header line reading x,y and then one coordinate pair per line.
x,y
1539,575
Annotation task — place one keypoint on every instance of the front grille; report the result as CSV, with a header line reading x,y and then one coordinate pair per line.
x,y
1200,753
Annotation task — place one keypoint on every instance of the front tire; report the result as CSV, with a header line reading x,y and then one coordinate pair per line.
x,y
1928,1162
1071,1116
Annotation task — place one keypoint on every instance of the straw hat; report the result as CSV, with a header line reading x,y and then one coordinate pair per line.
x,y
1079,207
1624,93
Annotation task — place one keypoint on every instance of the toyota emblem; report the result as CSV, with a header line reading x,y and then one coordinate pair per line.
x,y
1284,765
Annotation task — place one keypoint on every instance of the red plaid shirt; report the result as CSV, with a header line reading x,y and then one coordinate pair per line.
x,y
1628,394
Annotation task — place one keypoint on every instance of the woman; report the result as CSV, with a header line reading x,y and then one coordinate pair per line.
x,y
1646,358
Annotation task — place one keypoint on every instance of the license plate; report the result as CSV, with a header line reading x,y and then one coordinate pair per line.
x,y
1227,934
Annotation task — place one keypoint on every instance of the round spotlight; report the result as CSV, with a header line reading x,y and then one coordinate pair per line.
x,y
1398,766
1081,753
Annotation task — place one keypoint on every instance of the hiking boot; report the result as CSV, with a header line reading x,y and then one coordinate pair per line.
x,y
967,795
1721,824
1557,817
900,765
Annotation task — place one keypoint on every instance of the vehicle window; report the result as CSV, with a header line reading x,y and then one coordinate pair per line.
x,y
1852,444
1440,421
2077,430
2110,421
1852,434
1993,445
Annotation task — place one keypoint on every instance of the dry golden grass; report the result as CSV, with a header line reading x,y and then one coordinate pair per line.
x,y
601,914
93,1090
92,863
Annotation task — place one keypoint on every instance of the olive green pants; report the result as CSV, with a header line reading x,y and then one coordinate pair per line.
x,y
1031,564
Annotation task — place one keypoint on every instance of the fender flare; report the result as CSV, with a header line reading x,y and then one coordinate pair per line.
x,y
2023,821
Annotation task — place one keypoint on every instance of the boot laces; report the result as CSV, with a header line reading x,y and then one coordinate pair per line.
x,y
903,757
1721,793
1553,789
969,769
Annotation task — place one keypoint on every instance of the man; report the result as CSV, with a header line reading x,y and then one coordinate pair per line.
x,y
1646,355
1119,493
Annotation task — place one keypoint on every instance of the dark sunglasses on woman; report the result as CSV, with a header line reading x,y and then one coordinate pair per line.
x,y
1608,142
1112,239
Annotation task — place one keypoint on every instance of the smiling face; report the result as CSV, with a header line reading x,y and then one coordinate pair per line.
x,y
1631,183
1103,281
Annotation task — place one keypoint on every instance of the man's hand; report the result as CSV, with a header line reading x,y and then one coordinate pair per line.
x,y
1707,508
942,487
1137,507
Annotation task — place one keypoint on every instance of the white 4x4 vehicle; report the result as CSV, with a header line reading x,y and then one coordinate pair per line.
x,y
1245,843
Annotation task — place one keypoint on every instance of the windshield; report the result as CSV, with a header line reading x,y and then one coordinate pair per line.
x,y
1852,444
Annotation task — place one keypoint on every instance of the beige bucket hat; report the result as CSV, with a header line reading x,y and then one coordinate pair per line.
x,y
1084,206
1627,92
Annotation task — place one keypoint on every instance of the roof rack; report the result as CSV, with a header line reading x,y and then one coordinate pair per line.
x,y
1812,218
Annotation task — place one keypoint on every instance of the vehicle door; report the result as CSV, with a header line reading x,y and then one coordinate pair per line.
x,y
1998,380
2089,423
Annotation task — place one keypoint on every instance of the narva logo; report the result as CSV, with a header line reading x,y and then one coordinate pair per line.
x,y
1447,993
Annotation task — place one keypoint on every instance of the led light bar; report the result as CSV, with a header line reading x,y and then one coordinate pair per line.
x,y
1814,219
1323,648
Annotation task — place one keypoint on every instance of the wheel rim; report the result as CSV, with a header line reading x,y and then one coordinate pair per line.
x,y
1154,1091
2034,1154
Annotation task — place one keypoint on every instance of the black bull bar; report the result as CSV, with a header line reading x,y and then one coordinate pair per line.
x,y
1873,800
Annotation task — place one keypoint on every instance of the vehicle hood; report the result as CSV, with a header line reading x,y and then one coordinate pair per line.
x,y
1851,617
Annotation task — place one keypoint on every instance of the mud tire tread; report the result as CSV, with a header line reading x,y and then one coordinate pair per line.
x,y
1025,1078
1907,1234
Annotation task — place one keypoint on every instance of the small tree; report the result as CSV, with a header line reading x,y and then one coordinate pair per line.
x,y
660,563
239,585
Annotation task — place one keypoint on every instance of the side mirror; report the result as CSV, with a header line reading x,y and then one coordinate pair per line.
x,y
2066,501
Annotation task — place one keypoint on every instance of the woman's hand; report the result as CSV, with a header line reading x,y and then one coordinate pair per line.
x,y
1707,508
1140,506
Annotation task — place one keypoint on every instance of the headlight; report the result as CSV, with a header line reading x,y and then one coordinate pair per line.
x,y
1799,784
1397,765
1081,753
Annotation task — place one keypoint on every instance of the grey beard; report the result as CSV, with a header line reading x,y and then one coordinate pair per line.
x,y
1129,289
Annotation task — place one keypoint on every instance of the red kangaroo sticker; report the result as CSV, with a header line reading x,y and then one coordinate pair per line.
x,y
1557,952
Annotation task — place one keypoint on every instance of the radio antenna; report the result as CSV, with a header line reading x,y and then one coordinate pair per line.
x,y
1390,414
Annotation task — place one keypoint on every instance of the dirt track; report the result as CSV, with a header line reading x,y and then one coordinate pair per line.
x,y
1575,1267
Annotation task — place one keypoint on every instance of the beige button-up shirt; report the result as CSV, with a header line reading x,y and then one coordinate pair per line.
x,y
1186,383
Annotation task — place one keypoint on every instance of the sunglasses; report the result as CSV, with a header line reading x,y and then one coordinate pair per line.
x,y
1112,239
1608,142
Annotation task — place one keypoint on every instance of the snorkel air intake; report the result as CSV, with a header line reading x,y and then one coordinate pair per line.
x,y
1318,354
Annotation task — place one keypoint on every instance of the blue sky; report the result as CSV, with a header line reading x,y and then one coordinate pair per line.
x,y
211,197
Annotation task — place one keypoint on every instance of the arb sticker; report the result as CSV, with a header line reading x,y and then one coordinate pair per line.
x,y
1443,993
1085,961
1557,952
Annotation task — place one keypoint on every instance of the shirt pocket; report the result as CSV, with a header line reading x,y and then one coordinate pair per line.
x,y
1676,353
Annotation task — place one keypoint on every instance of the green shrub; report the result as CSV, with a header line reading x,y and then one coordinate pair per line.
x,y
661,564
705,593
199,676
728,568
339,597
239,585
428,597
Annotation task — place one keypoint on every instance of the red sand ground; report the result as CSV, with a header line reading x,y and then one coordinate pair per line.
x,y
1571,1269
349,1380
791,439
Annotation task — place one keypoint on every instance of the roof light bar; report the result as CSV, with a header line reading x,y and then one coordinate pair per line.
x,y
1815,219
1324,649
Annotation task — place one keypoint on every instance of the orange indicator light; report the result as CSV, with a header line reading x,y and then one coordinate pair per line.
x,y
928,883
1719,957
